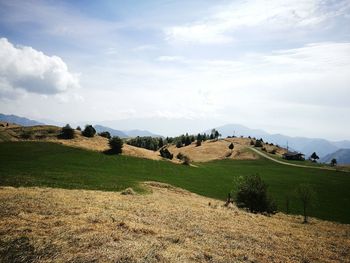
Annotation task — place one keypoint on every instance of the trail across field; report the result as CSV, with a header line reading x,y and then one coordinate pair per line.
x,y
290,164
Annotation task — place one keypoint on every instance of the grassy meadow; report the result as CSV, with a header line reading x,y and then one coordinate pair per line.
x,y
54,165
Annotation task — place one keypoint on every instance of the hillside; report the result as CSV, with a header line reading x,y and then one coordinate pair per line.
x,y
218,149
342,156
53,165
302,144
167,225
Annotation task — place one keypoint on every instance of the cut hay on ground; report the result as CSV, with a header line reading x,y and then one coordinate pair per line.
x,y
168,225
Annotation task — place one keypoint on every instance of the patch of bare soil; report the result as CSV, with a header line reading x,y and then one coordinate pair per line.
x,y
168,225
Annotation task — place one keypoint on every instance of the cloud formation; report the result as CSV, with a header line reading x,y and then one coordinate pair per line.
x,y
23,68
273,15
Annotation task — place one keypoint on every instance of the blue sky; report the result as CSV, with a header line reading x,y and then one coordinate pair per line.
x,y
282,66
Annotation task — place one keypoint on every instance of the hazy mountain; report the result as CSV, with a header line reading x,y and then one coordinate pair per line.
x,y
135,133
305,145
113,132
342,156
18,120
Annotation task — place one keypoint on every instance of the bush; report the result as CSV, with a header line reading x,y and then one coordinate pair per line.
x,y
116,145
231,146
199,143
26,134
78,128
178,144
252,194
264,149
258,143
186,160
166,154
180,156
252,142
105,134
67,133
273,151
89,131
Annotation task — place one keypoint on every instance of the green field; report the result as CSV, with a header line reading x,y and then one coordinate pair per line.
x,y
53,165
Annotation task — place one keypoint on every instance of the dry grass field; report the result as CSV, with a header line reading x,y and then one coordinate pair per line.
x,y
166,225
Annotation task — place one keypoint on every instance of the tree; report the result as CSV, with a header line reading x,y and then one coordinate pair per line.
x,y
165,153
334,162
306,196
252,194
105,134
178,144
314,157
78,128
199,142
66,133
231,146
116,145
160,143
258,143
187,140
89,131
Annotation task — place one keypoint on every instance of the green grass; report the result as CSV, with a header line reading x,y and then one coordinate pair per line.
x,y
53,165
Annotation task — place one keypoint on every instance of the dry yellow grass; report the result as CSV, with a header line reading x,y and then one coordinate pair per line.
x,y
216,150
168,225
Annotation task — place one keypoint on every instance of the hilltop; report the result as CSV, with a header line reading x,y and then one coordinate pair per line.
x,y
166,225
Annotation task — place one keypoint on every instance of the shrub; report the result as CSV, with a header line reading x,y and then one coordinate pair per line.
x,y
258,143
166,154
105,134
116,145
231,146
264,149
78,128
186,160
26,134
252,142
252,194
199,142
89,131
273,151
180,156
66,133
178,144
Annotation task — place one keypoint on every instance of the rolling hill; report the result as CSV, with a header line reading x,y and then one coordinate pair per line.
x,y
18,120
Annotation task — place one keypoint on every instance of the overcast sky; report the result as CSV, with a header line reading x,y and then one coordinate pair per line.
x,y
281,66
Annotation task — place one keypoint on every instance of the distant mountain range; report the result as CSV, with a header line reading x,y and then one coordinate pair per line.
x,y
18,120
305,145
342,156
113,132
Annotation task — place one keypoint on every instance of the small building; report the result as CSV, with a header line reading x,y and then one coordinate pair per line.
x,y
294,156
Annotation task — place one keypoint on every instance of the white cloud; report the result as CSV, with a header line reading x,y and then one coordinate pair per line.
x,y
171,59
23,68
269,15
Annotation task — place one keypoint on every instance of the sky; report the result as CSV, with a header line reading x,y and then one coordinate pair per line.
x,y
179,66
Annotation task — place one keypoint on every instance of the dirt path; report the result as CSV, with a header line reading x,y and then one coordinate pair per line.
x,y
286,163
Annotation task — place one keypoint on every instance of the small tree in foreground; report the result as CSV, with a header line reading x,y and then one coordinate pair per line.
x,y
66,133
252,194
116,145
306,195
